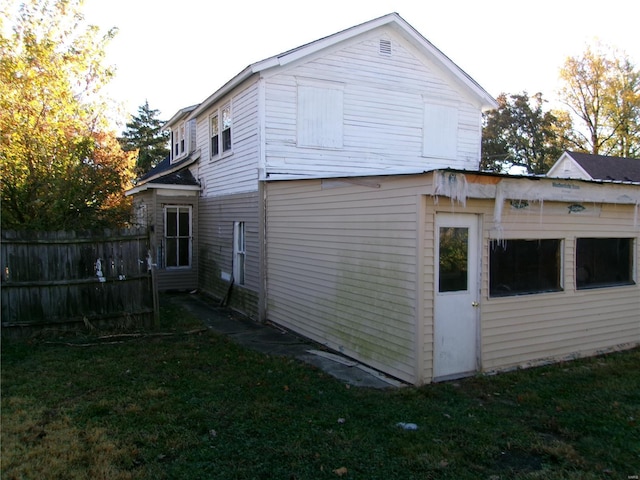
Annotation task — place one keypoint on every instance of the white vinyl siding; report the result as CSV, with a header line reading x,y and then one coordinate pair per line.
x,y
558,325
216,247
339,278
237,173
383,114
348,267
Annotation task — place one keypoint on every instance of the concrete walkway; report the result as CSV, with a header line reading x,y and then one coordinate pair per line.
x,y
272,340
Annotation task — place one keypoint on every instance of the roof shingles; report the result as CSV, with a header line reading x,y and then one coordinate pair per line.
x,y
602,167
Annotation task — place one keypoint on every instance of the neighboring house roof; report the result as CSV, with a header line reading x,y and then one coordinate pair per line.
x,y
599,167
484,99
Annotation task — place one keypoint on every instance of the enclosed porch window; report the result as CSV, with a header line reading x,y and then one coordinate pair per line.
x,y
177,227
604,262
518,267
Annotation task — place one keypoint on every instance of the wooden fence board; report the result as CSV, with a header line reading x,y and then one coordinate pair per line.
x,y
54,278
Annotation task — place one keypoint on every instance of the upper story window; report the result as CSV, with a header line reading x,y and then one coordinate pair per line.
x,y
182,137
220,125
179,141
320,113
440,134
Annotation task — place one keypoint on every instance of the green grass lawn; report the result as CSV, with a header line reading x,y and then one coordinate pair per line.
x,y
193,405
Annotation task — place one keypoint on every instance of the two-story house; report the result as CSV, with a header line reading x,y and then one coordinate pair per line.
x,y
336,188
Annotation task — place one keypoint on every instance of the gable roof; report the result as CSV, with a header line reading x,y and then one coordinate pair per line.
x,y
395,21
602,167
179,115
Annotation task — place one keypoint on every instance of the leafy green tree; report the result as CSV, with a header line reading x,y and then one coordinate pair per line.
x,y
61,167
602,90
521,133
145,136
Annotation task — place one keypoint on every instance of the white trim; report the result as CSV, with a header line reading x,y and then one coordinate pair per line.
x,y
166,186
239,251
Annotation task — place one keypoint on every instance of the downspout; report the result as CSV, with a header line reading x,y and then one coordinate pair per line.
x,y
262,204
419,316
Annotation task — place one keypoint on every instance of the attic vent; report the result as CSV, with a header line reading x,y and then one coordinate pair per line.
x,y
385,47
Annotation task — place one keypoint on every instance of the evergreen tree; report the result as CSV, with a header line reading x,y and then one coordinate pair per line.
x,y
144,134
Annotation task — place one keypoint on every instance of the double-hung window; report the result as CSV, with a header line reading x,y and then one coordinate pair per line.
x,y
239,252
177,235
220,124
182,137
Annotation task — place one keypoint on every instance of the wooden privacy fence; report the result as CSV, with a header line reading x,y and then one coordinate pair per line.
x,y
62,279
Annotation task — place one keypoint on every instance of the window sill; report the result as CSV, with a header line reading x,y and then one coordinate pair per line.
x,y
179,158
222,156
500,296
599,286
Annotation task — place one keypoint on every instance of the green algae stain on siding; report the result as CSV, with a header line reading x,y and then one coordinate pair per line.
x,y
372,310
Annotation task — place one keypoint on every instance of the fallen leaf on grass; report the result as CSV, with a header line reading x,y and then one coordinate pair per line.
x,y
340,471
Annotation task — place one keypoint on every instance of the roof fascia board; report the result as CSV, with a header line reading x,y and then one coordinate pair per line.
x,y
164,186
556,165
224,90
487,102
547,189
577,164
179,115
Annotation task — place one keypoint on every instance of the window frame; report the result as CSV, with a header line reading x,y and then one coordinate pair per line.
x,y
587,266
239,253
177,237
223,137
534,289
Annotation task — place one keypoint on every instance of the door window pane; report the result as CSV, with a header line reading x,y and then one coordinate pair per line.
x,y
454,255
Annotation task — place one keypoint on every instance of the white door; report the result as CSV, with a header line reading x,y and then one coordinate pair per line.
x,y
456,296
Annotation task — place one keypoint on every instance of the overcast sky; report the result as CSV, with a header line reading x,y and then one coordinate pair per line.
x,y
176,54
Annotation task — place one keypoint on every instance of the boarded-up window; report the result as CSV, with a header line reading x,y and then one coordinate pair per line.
x,y
440,134
320,114
603,262
518,267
